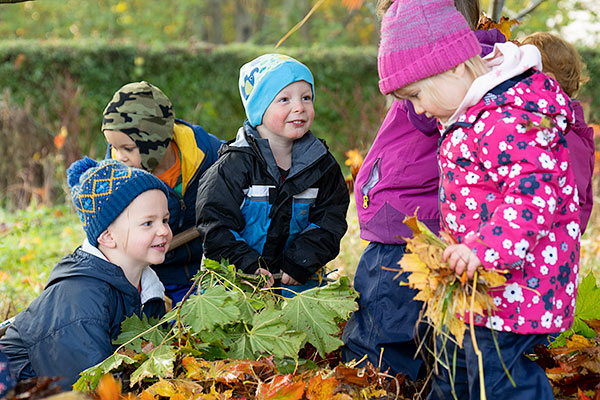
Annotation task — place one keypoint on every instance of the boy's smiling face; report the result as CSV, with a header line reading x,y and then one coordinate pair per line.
x,y
290,114
142,231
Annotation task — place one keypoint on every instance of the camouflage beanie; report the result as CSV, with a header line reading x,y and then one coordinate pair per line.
x,y
144,113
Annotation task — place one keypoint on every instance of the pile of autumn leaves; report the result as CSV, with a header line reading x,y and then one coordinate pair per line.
x,y
238,341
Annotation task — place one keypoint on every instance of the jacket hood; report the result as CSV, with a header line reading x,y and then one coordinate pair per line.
x,y
506,61
579,126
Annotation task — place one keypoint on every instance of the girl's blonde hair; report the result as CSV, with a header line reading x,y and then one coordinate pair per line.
x,y
474,66
468,8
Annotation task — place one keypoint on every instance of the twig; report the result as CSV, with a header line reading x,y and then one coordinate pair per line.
x,y
299,24
474,340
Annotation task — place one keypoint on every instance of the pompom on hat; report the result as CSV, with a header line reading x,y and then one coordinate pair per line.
x,y
422,38
102,190
262,78
145,114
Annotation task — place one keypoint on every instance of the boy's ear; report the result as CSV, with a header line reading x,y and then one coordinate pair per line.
x,y
106,239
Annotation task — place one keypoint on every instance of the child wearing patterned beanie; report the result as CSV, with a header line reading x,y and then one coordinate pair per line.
x,y
507,194
71,325
276,200
140,127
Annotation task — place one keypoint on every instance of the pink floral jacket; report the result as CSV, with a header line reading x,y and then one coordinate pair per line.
x,y
509,194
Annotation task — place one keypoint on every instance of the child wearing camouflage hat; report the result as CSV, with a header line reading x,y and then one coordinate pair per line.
x,y
71,325
276,199
141,129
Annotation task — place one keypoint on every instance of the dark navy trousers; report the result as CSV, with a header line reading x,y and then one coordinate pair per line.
x,y
387,314
530,379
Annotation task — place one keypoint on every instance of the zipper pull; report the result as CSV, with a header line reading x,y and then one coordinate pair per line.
x,y
365,201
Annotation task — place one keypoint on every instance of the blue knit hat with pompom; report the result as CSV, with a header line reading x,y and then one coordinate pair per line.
x,y
102,190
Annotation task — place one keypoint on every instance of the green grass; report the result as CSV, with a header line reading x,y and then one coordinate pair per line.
x,y
32,241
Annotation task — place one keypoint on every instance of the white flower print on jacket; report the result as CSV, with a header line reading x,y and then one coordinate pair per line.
x,y
518,186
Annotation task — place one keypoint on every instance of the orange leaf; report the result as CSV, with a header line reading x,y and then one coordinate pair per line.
x,y
354,160
352,4
108,388
280,388
582,396
19,60
353,376
192,367
321,389
59,140
146,396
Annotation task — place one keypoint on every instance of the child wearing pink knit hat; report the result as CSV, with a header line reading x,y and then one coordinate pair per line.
x,y
507,192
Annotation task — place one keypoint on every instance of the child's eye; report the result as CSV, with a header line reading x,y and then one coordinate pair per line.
x,y
283,99
147,223
414,95
130,149
307,98
165,220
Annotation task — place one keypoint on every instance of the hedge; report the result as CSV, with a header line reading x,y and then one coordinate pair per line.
x,y
201,81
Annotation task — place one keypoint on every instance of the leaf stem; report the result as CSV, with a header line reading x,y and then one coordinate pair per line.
x,y
474,340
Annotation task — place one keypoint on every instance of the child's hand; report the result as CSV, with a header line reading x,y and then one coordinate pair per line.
x,y
288,280
461,258
265,272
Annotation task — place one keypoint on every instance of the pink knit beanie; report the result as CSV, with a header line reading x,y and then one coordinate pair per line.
x,y
422,38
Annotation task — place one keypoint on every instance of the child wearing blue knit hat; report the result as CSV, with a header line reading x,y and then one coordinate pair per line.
x,y
275,201
71,325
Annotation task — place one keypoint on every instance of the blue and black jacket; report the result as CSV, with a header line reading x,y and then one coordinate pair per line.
x,y
249,215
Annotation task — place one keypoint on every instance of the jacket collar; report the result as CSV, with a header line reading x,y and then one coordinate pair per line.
x,y
152,287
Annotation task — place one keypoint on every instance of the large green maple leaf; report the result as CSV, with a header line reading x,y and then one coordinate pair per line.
x,y
316,312
133,326
588,299
587,307
269,335
159,364
216,306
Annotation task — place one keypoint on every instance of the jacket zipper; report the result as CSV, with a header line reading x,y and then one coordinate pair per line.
x,y
370,183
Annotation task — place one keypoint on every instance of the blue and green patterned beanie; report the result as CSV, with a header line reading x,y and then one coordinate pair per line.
x,y
102,190
262,78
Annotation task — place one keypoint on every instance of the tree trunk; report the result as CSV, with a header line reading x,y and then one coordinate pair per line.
x,y
495,9
243,23
214,27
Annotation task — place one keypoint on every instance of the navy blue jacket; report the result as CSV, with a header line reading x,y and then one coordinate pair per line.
x,y
248,215
71,325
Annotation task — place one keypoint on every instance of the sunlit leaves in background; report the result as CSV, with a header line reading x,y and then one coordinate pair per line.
x,y
337,22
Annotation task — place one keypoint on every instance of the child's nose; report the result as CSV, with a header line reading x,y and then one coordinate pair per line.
x,y
164,230
298,105
418,108
120,156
